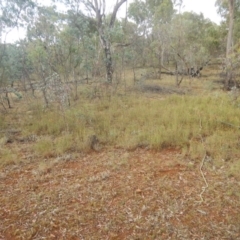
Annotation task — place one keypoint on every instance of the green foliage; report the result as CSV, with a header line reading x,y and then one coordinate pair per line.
x,y
199,38
163,11
69,45
15,13
10,64
138,11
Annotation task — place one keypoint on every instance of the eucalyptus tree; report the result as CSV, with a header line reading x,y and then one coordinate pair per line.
x,y
185,39
13,14
82,36
41,36
229,46
229,9
151,18
162,19
97,10
193,41
43,50
45,28
80,50
11,71
139,13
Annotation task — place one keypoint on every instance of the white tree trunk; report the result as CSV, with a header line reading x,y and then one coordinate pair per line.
x,y
229,46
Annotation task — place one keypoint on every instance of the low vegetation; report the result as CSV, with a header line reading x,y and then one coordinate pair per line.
x,y
123,166
132,121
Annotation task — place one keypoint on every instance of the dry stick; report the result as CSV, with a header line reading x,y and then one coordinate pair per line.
x,y
229,124
201,166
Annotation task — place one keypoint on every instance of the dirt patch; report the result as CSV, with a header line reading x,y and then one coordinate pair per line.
x,y
117,194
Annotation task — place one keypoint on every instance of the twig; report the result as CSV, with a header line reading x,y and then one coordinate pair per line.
x,y
229,124
13,131
201,166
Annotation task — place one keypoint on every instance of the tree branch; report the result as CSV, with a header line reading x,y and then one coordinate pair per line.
x,y
115,10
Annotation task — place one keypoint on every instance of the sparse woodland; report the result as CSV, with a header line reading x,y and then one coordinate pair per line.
x,y
119,127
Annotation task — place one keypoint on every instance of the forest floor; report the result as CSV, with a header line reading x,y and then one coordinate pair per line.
x,y
117,194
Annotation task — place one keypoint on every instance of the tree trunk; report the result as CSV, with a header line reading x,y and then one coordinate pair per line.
x,y
99,8
108,59
178,81
229,43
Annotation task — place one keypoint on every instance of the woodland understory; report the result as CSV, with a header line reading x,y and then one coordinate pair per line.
x,y
119,128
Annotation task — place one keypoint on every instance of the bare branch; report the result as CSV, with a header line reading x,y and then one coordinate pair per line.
x,y
96,6
90,4
181,57
115,10
104,6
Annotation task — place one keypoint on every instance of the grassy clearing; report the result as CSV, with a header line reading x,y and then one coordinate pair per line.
x,y
176,121
133,121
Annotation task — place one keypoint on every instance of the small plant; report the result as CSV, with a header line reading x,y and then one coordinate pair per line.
x,y
7,157
234,169
64,144
44,147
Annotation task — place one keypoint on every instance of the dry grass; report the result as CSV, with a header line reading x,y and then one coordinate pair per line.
x,y
132,121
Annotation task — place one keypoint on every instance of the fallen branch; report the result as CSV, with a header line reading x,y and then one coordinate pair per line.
x,y
12,131
230,125
201,166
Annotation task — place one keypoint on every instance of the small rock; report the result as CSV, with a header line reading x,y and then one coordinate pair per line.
x,y
138,191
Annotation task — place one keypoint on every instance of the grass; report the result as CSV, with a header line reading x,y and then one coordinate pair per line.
x,y
8,157
132,121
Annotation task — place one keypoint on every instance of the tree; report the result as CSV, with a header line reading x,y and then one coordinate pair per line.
x,y
104,25
14,14
227,9
229,42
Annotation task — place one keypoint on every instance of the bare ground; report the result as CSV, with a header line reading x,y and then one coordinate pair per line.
x,y
117,194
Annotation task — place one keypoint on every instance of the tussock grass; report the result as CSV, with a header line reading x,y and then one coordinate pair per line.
x,y
44,147
7,157
3,126
2,121
133,121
